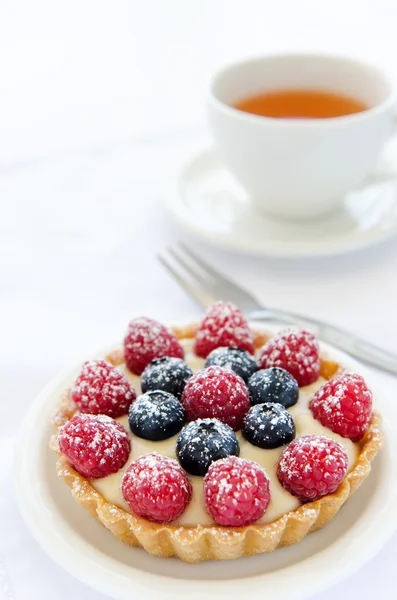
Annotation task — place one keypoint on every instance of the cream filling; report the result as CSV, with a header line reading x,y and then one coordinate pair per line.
x,y
195,514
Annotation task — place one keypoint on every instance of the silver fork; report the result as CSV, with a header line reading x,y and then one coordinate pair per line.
x,y
206,285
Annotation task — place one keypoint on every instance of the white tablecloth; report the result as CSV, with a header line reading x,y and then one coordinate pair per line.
x,y
80,229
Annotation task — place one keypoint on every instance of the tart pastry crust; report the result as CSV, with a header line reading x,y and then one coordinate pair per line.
x,y
199,543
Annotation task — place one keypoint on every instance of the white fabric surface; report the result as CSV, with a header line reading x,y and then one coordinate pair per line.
x,y
80,229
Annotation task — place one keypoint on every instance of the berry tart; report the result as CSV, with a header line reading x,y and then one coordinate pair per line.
x,y
215,440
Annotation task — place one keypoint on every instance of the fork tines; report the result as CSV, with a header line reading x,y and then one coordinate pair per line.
x,y
187,268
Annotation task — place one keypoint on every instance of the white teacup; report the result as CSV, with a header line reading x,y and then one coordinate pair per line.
x,y
301,168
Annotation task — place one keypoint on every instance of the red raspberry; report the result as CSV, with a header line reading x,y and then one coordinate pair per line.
x,y
147,339
216,393
312,466
102,389
294,350
236,491
156,488
344,404
223,325
95,445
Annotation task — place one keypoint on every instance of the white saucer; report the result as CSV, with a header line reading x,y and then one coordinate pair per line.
x,y
211,204
91,553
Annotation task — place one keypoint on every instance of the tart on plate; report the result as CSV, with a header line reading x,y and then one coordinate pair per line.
x,y
215,440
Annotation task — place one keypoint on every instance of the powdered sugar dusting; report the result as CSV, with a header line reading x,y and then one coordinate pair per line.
x,y
236,491
102,389
282,501
156,488
216,393
296,351
156,415
203,441
312,466
147,339
169,374
95,445
344,404
238,360
268,425
223,325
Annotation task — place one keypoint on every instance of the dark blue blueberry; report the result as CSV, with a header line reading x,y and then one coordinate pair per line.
x,y
238,360
156,416
268,426
167,374
203,441
273,385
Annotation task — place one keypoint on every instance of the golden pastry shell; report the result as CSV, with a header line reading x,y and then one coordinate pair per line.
x,y
199,543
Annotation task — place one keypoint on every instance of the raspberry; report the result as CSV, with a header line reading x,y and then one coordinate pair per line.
x,y
344,405
102,389
236,491
223,325
312,466
147,339
294,350
156,488
216,393
95,445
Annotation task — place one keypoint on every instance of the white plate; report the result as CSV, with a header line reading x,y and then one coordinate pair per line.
x,y
91,553
211,204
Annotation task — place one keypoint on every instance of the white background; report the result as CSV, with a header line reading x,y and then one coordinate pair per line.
x,y
100,102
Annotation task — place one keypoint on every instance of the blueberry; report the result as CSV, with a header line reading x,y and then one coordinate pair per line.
x,y
167,374
268,426
203,441
273,385
238,360
156,416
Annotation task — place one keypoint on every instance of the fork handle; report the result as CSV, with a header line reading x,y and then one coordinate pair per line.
x,y
340,338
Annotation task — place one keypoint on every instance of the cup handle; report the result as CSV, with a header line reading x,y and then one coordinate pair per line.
x,y
383,175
